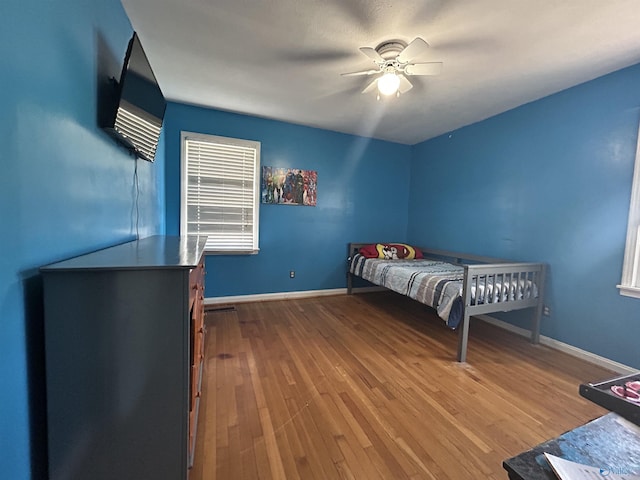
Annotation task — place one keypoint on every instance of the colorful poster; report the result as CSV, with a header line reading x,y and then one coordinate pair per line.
x,y
289,186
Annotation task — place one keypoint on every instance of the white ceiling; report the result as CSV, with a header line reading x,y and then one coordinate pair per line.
x,y
282,59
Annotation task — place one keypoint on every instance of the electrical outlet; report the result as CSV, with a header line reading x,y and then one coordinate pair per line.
x,y
546,311
292,274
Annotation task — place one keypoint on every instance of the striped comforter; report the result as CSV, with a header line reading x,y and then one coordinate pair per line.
x,y
434,283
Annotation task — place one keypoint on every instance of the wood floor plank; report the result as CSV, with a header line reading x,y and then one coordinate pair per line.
x,y
367,386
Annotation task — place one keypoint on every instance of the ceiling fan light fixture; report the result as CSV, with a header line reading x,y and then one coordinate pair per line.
x,y
388,84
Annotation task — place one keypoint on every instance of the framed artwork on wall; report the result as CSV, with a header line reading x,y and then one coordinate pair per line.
x,y
289,186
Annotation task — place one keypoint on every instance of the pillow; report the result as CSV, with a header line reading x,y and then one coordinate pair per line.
x,y
390,251
369,251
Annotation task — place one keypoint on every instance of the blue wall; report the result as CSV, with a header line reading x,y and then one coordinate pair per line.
x,y
549,181
362,196
66,188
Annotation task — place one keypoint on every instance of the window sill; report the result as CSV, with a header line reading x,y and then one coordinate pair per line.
x,y
629,291
232,252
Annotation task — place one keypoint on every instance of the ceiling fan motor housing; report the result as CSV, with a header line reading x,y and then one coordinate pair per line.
x,y
389,50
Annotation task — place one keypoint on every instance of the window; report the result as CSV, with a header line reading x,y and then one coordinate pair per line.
x,y
220,192
630,284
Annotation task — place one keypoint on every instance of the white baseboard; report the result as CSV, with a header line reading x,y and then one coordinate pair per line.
x,y
261,297
563,347
547,341
273,296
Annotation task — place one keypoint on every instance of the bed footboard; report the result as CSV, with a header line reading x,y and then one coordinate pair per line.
x,y
502,287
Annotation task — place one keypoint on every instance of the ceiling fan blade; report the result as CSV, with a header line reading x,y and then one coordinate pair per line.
x,y
405,84
363,72
427,68
414,49
372,85
372,54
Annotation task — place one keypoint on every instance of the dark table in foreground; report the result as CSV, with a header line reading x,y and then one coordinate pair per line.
x,y
609,442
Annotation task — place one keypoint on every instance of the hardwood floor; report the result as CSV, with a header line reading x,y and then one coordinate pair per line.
x,y
367,387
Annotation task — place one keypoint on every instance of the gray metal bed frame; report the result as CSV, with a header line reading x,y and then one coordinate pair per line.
x,y
477,269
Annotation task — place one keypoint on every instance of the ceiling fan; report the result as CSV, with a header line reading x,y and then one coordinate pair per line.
x,y
393,61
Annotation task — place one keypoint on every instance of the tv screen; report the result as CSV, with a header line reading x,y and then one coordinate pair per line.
x,y
140,104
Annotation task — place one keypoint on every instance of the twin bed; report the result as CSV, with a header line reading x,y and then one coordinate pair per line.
x,y
458,286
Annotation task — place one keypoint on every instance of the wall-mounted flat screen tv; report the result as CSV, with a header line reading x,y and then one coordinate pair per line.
x,y
138,105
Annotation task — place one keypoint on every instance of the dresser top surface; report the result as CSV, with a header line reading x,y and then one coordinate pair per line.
x,y
609,442
153,252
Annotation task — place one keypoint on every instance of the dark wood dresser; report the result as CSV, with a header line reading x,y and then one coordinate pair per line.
x,y
124,339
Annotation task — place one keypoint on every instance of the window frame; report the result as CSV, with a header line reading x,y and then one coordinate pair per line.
x,y
184,183
630,283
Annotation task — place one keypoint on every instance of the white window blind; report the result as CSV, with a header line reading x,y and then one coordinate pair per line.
x,y
220,198
630,284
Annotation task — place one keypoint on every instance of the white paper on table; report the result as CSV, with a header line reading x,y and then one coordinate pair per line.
x,y
567,470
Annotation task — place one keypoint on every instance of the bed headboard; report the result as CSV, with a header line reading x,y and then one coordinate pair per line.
x,y
445,255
